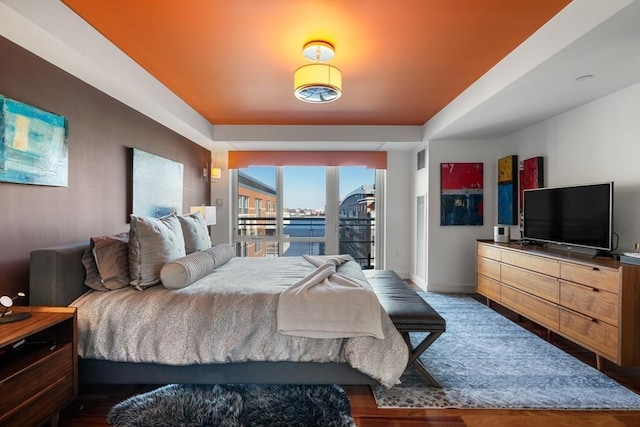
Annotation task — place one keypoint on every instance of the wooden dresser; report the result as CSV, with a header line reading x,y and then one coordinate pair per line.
x,y
594,302
38,376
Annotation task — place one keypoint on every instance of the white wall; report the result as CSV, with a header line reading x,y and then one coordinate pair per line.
x,y
451,249
398,212
596,142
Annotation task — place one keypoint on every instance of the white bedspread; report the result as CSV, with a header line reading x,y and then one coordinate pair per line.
x,y
227,316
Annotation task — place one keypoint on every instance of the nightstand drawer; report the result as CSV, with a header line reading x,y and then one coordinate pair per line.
x,y
51,398
47,381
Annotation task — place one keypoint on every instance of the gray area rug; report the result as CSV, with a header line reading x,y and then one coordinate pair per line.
x,y
484,360
234,406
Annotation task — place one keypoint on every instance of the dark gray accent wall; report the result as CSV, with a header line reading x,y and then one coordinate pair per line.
x,y
101,129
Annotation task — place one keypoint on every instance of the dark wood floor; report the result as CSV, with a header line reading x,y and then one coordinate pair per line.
x,y
95,401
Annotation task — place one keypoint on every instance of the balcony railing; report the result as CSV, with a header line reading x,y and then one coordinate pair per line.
x,y
356,236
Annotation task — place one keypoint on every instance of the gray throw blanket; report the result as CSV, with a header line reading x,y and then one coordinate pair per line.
x,y
327,304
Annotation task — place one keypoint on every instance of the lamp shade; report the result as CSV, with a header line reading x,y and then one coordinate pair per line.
x,y
317,83
216,173
207,212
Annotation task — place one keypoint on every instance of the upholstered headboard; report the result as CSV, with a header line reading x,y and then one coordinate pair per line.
x,y
56,274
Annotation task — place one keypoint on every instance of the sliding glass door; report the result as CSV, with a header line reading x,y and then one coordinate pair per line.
x,y
357,214
297,210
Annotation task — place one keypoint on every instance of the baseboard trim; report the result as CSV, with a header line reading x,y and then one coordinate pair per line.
x,y
452,289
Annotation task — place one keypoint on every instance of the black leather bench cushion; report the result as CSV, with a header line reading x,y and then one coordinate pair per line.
x,y
408,311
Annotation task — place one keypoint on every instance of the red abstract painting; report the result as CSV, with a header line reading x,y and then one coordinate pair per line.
x,y
461,193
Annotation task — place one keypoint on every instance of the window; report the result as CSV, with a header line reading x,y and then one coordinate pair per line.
x,y
314,210
258,208
243,205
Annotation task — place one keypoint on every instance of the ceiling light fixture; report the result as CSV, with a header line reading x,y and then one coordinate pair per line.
x,y
318,83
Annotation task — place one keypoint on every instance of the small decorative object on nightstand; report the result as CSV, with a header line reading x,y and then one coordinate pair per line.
x,y
8,316
38,365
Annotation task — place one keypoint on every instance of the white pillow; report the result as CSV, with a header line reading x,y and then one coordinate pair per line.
x,y
152,243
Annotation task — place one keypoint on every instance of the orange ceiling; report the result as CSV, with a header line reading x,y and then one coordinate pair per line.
x,y
233,60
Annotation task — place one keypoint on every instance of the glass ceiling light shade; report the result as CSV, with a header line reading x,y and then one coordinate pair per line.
x,y
318,82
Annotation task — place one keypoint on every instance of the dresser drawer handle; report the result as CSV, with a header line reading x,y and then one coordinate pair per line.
x,y
596,269
594,320
595,289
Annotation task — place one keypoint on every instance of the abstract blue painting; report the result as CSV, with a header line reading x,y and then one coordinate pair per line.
x,y
157,185
34,146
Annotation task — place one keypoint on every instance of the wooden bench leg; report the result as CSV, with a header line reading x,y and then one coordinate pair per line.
x,y
416,352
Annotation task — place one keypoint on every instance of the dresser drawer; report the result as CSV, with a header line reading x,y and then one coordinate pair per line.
x,y
592,302
599,336
600,278
536,309
488,267
51,375
531,262
546,287
489,251
488,287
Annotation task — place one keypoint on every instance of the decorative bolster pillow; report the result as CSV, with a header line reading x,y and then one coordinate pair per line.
x,y
184,271
221,253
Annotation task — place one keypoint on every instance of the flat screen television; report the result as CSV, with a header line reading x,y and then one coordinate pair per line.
x,y
580,215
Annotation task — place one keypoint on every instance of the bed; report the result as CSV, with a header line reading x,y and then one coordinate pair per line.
x,y
57,277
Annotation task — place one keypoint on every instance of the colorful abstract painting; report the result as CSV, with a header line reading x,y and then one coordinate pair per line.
x,y
507,190
34,146
531,176
461,193
157,185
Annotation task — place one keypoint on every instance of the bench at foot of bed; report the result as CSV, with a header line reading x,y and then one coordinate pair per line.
x,y
409,313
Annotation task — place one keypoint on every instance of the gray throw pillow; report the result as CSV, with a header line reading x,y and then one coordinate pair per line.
x,y
92,278
195,232
152,243
112,259
106,262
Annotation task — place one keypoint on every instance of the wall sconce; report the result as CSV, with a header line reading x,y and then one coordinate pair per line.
x,y
216,173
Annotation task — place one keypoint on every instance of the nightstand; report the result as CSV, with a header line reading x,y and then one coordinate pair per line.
x,y
38,366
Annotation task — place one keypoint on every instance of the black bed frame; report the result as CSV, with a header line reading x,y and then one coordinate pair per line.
x,y
57,278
